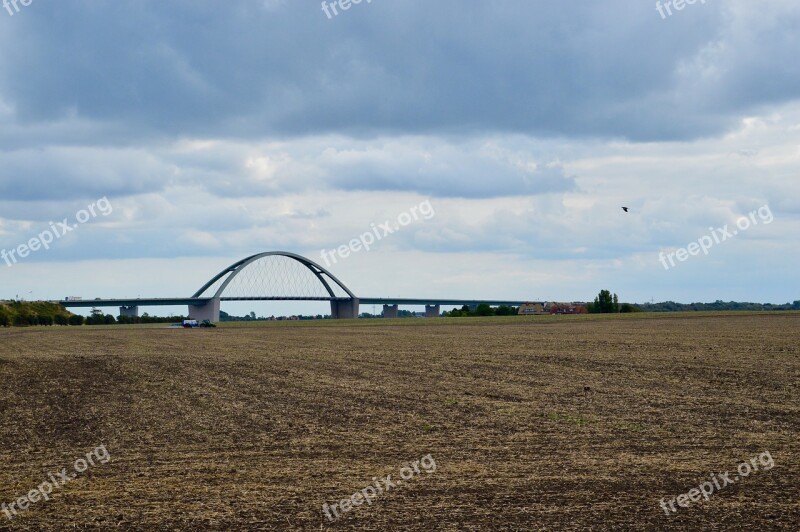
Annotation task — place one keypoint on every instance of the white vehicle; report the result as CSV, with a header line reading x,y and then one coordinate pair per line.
x,y
187,324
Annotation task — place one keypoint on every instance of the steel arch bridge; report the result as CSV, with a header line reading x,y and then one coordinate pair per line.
x,y
275,276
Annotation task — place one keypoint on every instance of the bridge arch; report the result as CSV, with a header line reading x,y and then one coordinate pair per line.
x,y
215,288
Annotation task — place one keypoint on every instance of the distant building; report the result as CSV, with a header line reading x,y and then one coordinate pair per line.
x,y
568,308
546,308
533,309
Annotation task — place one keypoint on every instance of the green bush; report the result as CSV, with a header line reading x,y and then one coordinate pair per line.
x,y
28,313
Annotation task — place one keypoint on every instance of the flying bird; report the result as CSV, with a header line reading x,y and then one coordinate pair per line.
x,y
625,209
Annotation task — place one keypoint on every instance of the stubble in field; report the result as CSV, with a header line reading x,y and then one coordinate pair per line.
x,y
533,424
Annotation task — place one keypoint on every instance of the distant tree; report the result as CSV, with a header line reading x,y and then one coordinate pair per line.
x,y
504,310
76,319
484,310
604,303
95,317
24,319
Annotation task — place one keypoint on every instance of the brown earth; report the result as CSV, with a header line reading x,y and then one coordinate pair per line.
x,y
533,423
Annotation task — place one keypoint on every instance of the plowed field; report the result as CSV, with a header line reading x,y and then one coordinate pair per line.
x,y
532,423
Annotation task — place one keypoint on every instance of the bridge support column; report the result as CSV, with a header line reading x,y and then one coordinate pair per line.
x,y
209,311
390,311
432,311
344,309
129,312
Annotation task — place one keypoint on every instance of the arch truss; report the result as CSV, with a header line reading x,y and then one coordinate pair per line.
x,y
275,275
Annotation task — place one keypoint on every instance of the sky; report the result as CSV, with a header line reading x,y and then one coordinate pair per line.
x,y
212,131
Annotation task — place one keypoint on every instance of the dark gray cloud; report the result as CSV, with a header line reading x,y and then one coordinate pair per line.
x,y
465,176
66,173
241,69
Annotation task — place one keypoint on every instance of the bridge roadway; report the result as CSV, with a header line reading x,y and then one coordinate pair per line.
x,y
347,307
342,307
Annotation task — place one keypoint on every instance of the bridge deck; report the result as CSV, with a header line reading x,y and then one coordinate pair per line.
x,y
155,302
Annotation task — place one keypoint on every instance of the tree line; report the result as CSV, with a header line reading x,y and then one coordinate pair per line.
x,y
481,310
32,313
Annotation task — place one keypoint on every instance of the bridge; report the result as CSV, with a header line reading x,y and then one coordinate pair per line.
x,y
277,276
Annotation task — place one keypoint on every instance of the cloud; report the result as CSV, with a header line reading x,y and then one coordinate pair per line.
x,y
227,169
268,69
224,129
80,172
431,167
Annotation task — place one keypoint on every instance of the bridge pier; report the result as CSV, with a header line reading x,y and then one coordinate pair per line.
x,y
344,309
433,311
129,312
390,311
208,311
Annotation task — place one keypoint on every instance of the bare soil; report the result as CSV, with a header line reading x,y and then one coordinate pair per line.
x,y
549,423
